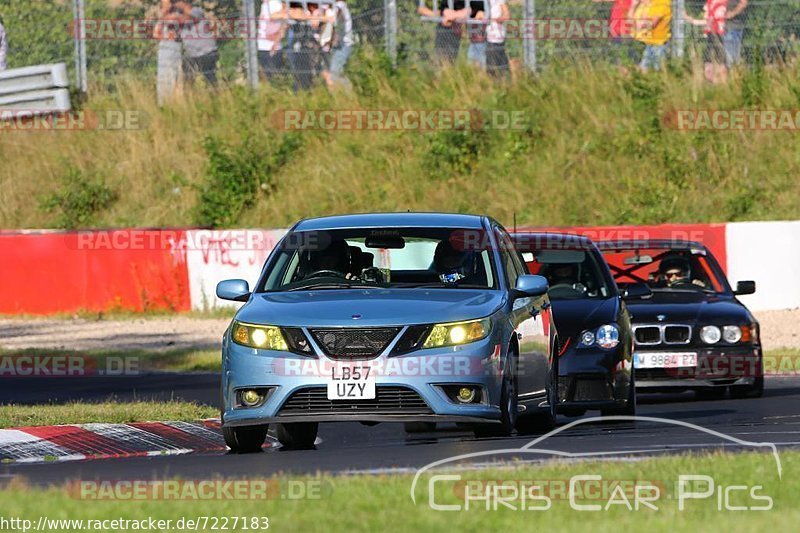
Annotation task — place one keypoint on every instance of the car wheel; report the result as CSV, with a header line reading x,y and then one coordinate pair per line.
x,y
298,436
630,405
508,405
711,393
543,421
756,390
246,439
419,427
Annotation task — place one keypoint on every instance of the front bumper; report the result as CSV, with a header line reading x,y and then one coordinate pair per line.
x,y
408,387
593,378
719,366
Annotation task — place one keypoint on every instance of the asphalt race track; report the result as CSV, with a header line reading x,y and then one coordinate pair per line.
x,y
351,447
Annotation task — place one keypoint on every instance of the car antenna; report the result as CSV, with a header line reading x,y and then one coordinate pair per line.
x,y
515,221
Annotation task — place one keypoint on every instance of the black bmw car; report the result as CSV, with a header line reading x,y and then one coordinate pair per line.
x,y
595,338
692,332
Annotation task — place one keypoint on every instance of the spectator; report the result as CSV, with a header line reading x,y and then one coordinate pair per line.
x,y
341,44
714,56
304,46
496,58
734,33
200,47
172,14
652,26
3,46
619,28
476,52
447,41
271,31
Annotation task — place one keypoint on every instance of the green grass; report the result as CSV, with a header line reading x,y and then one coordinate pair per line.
x,y
370,503
121,362
108,412
593,150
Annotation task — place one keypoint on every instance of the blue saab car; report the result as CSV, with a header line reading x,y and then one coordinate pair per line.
x,y
403,317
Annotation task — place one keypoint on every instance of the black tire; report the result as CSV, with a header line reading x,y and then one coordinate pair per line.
x,y
711,393
509,401
756,390
419,427
246,439
543,421
630,405
298,436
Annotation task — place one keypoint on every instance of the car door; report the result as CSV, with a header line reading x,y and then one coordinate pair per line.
x,y
528,318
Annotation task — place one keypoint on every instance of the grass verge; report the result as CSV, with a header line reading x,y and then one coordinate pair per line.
x,y
109,362
368,503
107,412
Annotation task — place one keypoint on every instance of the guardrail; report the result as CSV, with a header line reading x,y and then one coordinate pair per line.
x,y
37,90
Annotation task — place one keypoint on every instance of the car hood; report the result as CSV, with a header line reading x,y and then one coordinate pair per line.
x,y
573,316
369,307
688,308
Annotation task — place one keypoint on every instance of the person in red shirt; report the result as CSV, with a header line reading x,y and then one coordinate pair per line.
x,y
620,28
714,22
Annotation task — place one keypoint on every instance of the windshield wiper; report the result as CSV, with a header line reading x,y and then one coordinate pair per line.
x,y
329,285
441,285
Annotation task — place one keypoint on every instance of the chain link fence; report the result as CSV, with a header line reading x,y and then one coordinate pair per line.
x,y
105,41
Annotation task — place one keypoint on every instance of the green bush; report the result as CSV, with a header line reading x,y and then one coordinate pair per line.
x,y
79,201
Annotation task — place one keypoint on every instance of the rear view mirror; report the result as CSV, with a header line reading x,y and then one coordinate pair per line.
x,y
638,260
391,242
637,291
236,290
745,287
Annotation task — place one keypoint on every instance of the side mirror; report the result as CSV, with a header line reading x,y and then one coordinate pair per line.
x,y
745,287
639,291
236,290
530,285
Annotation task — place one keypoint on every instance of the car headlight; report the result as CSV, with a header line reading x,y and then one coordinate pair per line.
x,y
732,334
457,333
710,334
606,336
255,336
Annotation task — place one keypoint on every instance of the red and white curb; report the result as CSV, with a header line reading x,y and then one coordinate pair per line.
x,y
104,441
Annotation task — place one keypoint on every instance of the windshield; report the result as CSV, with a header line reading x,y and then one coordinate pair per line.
x,y
664,270
571,274
381,258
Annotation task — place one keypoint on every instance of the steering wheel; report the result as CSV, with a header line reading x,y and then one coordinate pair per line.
x,y
325,272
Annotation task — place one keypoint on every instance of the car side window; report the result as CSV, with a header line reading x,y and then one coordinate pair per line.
x,y
507,253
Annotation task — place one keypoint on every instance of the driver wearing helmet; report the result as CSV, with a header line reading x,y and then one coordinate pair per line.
x,y
675,271
335,257
453,265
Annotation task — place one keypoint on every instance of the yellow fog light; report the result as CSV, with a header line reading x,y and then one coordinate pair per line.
x,y
255,336
251,398
466,394
457,333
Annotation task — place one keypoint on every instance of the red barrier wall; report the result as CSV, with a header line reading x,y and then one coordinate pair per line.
x,y
63,272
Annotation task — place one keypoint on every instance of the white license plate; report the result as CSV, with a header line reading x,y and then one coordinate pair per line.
x,y
664,359
351,382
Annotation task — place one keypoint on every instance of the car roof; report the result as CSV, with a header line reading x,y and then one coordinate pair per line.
x,y
652,244
551,240
392,220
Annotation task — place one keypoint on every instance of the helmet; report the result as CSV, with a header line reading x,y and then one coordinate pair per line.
x,y
453,265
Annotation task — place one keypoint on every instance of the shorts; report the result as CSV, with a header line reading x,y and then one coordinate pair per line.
x,y
714,51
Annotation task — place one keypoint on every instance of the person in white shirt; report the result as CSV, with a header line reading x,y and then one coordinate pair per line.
x,y
271,30
496,58
3,46
341,45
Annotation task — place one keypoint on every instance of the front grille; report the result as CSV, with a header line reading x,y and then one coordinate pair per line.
x,y
588,390
677,334
388,400
648,335
350,343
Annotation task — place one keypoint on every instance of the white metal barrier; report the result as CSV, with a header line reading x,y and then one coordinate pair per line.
x,y
37,90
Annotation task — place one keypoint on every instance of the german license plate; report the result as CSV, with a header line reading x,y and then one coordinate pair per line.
x,y
351,382
664,359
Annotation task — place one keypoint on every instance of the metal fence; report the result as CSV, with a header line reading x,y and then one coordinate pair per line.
x,y
100,39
